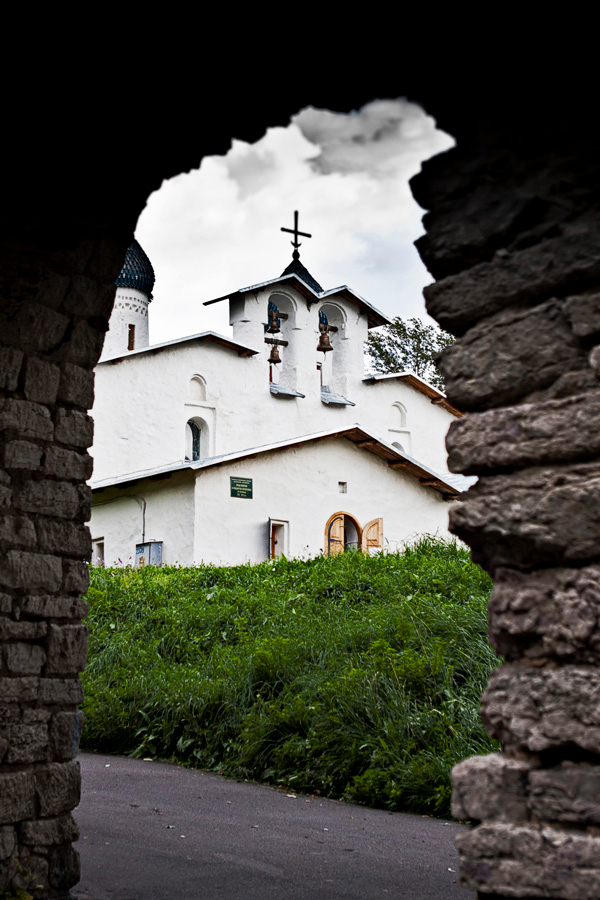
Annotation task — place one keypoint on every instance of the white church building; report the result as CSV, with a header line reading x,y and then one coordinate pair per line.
x,y
226,450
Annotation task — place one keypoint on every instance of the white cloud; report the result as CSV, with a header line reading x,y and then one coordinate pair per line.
x,y
217,228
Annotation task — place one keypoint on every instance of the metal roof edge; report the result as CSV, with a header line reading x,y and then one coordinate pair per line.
x,y
422,472
211,336
437,397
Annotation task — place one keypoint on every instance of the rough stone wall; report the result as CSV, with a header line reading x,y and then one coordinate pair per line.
x,y
513,239
55,305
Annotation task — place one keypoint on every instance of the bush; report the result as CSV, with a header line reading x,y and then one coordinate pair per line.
x,y
355,677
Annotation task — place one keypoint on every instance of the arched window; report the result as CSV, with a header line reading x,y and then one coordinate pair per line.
x,y
197,389
193,440
398,418
336,363
398,433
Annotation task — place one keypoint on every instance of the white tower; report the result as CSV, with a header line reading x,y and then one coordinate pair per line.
x,y
128,325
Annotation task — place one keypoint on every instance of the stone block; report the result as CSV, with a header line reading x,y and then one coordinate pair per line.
x,y
67,649
89,298
58,789
55,830
21,630
529,434
17,531
60,536
5,497
77,577
65,734
26,743
22,455
31,570
49,498
19,690
489,217
35,714
549,613
41,380
512,353
24,659
17,796
10,366
54,607
8,841
69,464
38,329
490,788
6,604
32,874
583,312
569,793
524,861
63,691
84,493
536,710
63,868
553,267
86,344
534,517
76,386
74,428
29,420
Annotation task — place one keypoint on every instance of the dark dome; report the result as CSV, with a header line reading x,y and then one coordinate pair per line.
x,y
137,271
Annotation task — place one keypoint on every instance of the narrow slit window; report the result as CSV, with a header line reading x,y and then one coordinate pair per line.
x,y
131,337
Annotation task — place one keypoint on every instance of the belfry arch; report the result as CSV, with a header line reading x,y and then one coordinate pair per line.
x,y
512,243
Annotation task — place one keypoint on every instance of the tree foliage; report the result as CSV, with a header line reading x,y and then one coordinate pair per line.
x,y
408,345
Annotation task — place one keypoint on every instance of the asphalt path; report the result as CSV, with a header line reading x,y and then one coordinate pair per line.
x,y
156,831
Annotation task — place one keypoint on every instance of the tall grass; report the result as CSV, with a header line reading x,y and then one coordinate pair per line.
x,y
355,677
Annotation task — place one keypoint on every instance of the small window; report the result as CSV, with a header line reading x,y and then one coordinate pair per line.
x,y
193,441
131,337
343,486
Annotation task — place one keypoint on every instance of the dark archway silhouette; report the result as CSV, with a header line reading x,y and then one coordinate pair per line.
x,y
512,241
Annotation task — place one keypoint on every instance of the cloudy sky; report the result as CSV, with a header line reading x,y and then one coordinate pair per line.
x,y
217,228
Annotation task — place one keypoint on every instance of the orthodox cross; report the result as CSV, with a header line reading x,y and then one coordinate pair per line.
x,y
295,243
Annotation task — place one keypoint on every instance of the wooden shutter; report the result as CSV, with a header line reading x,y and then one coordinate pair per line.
x,y
372,536
334,535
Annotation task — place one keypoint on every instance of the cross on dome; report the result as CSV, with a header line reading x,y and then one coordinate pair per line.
x,y
295,243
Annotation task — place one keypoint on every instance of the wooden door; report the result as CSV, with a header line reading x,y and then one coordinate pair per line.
x,y
372,537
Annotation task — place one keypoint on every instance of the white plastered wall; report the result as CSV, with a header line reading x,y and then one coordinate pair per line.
x,y
300,486
169,517
143,401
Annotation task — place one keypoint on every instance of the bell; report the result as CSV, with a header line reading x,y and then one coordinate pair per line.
x,y
274,358
324,344
273,327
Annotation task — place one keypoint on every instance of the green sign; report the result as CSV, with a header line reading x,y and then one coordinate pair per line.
x,y
241,487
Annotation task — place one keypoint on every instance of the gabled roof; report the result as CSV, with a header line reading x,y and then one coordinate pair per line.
x,y
209,336
308,290
358,436
437,397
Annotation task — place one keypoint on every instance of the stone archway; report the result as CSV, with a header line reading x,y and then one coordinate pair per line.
x,y
512,239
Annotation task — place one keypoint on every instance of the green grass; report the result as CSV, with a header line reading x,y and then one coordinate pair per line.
x,y
355,677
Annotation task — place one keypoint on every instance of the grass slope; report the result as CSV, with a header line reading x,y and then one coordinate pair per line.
x,y
355,677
